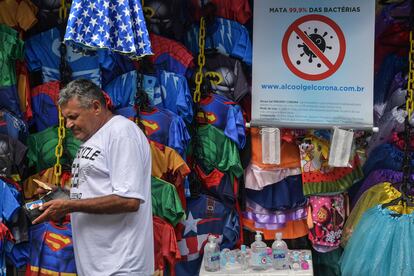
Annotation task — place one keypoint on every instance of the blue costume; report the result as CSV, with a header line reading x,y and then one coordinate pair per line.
x,y
205,216
227,36
225,115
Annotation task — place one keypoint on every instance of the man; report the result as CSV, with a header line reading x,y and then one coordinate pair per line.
x,y
110,202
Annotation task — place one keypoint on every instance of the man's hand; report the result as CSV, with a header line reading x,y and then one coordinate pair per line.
x,y
53,210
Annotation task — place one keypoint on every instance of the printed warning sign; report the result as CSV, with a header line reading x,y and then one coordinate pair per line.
x,y
313,47
313,63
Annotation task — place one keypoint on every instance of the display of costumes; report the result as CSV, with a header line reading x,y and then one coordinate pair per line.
x,y
11,50
51,250
165,89
6,244
218,184
18,14
44,104
42,52
170,55
391,121
122,89
166,17
214,150
328,214
197,188
226,76
13,126
378,194
260,215
165,201
41,153
169,90
167,128
238,10
256,178
385,14
225,115
320,178
396,98
12,153
117,26
8,203
391,65
385,156
289,152
284,195
395,34
165,245
47,16
168,165
205,216
380,245
121,65
23,90
235,43
376,177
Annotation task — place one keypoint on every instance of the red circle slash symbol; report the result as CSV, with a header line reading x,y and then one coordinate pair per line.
x,y
313,47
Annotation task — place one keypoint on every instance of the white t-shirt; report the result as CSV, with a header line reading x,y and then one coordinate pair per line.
x,y
115,160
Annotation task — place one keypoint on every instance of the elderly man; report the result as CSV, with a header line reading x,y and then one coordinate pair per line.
x,y
110,195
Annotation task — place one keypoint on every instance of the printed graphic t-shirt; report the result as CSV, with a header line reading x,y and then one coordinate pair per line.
x,y
116,160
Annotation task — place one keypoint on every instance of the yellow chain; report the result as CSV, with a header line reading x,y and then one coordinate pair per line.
x,y
201,60
63,10
410,87
57,169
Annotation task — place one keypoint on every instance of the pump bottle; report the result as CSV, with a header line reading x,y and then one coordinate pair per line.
x,y
258,259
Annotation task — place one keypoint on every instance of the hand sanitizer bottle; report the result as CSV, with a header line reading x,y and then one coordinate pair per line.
x,y
258,260
280,253
211,255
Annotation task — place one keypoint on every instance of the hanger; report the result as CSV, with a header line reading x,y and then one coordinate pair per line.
x,y
208,11
147,67
142,102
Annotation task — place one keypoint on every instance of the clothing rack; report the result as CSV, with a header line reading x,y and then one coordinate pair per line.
x,y
407,184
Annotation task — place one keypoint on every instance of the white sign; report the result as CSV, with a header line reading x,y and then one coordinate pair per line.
x,y
313,63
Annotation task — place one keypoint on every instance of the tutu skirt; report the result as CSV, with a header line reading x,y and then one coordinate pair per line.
x,y
382,245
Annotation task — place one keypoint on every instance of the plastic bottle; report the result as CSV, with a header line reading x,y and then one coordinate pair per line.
x,y
244,259
258,259
280,253
295,260
211,255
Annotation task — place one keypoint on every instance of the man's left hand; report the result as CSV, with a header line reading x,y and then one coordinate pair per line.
x,y
53,210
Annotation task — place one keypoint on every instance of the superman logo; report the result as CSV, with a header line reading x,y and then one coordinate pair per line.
x,y
150,127
210,117
57,242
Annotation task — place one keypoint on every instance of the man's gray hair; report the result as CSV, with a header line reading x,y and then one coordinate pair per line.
x,y
85,91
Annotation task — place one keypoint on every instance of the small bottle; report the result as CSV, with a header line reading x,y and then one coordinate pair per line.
x,y
280,253
258,258
211,255
244,259
295,262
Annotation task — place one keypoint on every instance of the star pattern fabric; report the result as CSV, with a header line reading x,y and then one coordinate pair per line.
x,y
115,25
191,224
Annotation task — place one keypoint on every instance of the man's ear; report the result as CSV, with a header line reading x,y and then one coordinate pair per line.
x,y
96,106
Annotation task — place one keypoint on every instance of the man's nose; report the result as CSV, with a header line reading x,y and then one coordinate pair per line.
x,y
69,124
